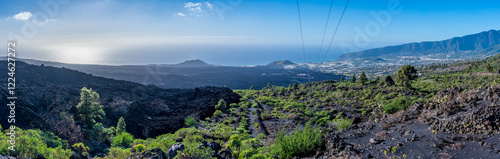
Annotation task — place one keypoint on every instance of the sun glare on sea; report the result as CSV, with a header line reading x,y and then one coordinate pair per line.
x,y
79,54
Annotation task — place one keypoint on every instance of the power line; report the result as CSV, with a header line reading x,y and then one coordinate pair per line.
x,y
301,34
324,31
334,33
302,38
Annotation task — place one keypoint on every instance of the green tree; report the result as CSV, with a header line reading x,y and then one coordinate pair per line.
x,y
489,68
251,87
121,127
222,105
362,78
353,78
295,86
89,109
341,79
405,75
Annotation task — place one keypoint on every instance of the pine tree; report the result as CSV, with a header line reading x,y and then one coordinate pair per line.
x,y
341,79
353,79
121,127
362,78
295,86
251,87
405,75
89,109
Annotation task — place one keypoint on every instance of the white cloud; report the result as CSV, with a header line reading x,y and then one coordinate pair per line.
x,y
180,14
23,16
191,5
209,5
198,8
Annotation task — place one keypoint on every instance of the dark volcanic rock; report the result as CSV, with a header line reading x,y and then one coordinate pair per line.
x,y
150,154
172,151
225,154
214,146
478,117
165,115
6,157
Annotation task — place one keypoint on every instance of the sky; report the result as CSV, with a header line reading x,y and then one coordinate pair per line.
x,y
229,32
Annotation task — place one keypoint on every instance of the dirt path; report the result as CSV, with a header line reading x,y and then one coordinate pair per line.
x,y
253,120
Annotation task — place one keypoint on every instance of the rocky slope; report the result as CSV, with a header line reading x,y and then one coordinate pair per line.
x,y
456,123
48,97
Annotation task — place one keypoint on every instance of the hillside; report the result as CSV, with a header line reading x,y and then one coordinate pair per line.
x,y
280,63
473,46
46,92
192,63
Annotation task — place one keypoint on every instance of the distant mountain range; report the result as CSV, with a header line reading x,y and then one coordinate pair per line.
x,y
466,47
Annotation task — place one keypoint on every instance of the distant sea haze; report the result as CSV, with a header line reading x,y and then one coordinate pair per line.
x,y
212,54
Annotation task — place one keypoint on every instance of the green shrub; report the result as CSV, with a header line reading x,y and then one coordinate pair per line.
x,y
342,123
57,153
217,113
81,148
139,147
123,139
221,105
161,143
233,105
33,143
396,105
196,152
248,153
300,143
190,121
255,105
184,132
261,136
118,153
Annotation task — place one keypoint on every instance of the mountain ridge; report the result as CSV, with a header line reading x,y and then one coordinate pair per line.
x,y
473,42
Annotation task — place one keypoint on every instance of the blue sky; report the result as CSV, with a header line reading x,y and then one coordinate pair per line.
x,y
229,32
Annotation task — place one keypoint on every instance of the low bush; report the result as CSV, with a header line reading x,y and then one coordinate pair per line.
x,y
396,105
300,143
123,139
